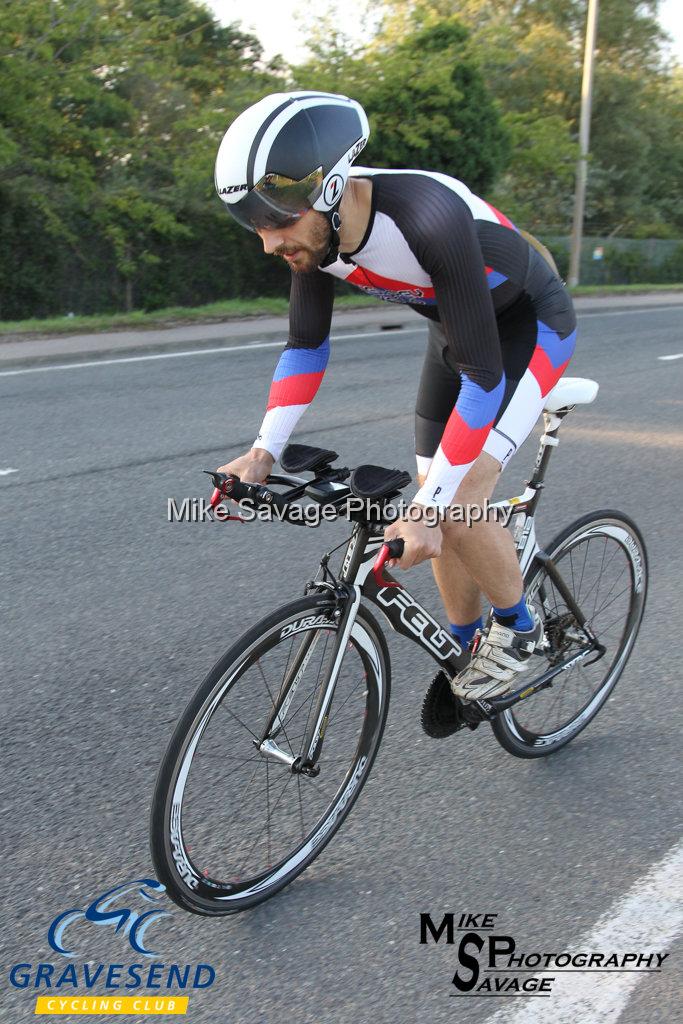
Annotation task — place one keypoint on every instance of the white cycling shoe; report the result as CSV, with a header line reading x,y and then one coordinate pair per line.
x,y
499,657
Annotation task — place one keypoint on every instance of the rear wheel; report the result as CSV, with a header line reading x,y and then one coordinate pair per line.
x,y
231,826
603,561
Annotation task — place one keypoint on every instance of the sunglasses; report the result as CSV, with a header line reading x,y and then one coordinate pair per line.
x,y
277,201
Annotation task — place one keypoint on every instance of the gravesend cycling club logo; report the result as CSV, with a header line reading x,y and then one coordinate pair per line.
x,y
131,911
488,963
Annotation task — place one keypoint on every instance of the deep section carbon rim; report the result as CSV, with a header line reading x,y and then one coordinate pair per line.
x,y
237,825
602,560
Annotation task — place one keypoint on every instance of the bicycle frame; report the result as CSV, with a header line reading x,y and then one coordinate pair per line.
x,y
409,618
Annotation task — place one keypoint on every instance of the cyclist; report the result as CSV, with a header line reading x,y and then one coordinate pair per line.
x,y
501,333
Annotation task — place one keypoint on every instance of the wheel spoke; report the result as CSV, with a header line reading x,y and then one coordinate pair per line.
x,y
272,700
239,721
265,825
607,603
583,569
345,701
605,629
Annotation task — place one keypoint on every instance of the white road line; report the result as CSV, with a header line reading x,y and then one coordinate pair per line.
x,y
226,350
222,350
646,920
678,355
6,472
630,312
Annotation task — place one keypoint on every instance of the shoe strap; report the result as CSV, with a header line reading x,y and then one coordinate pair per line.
x,y
503,636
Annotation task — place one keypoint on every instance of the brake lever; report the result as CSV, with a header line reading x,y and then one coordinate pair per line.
x,y
222,483
392,549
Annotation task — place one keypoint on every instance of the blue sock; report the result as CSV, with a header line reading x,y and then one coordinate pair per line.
x,y
515,617
465,633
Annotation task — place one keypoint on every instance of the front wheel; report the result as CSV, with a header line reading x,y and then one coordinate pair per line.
x,y
233,822
602,559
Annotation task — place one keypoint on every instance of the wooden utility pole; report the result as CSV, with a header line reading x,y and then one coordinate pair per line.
x,y
584,142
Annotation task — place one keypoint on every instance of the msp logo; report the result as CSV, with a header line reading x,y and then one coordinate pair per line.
x,y
490,965
107,910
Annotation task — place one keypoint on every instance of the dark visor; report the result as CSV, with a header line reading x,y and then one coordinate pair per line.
x,y
277,201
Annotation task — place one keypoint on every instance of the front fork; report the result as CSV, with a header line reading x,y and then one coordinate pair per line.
x,y
315,734
347,604
355,580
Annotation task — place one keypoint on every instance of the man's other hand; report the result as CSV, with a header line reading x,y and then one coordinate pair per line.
x,y
420,542
251,468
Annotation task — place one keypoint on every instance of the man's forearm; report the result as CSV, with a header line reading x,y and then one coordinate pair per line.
x,y
297,377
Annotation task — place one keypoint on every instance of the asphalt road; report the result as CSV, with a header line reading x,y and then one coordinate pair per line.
x,y
112,615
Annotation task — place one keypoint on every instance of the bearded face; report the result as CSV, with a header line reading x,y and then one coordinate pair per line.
x,y
304,245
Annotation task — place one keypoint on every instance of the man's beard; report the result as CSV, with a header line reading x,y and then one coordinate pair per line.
x,y
310,256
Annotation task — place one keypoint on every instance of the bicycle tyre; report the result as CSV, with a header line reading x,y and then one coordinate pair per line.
x,y
185,884
526,742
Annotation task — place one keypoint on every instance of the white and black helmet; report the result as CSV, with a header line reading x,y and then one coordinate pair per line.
x,y
289,153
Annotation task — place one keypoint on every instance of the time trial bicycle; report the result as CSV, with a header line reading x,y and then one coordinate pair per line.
x,y
277,743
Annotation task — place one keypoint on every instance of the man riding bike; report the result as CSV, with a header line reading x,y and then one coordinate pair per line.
x,y
501,333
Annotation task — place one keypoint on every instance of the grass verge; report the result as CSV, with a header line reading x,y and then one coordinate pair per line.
x,y
173,316
230,309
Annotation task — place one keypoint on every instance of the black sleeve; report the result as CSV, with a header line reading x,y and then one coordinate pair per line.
x,y
439,228
311,299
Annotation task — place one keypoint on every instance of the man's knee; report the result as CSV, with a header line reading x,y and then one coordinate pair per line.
x,y
469,502
481,477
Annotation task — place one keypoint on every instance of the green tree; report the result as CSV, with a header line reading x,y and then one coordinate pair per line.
x,y
530,52
425,96
110,116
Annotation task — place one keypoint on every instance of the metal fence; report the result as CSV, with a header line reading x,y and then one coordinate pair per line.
x,y
606,260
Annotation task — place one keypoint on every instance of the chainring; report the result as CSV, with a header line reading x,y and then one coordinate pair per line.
x,y
442,713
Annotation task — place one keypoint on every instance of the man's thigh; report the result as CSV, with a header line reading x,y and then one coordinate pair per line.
x,y
437,394
534,357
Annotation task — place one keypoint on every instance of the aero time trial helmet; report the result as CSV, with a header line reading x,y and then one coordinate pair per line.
x,y
287,154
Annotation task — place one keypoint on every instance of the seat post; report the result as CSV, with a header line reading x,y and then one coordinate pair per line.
x,y
549,439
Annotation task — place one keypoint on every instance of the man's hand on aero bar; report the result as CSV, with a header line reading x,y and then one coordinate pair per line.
x,y
251,468
421,542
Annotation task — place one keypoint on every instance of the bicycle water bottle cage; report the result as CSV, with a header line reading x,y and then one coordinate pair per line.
x,y
298,457
373,482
